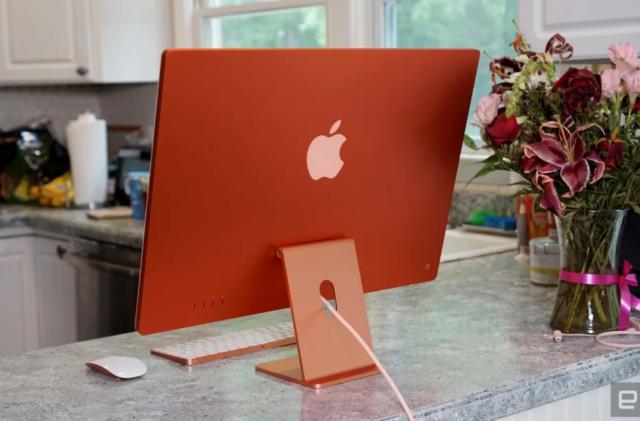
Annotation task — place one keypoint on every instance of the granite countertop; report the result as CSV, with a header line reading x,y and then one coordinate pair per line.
x,y
72,222
466,346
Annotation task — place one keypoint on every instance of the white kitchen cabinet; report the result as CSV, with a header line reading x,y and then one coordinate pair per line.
x,y
76,41
55,286
18,320
589,25
37,292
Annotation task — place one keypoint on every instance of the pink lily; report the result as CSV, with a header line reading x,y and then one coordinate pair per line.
x,y
530,163
564,152
549,200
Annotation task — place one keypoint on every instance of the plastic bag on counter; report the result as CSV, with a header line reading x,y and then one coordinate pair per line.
x,y
30,159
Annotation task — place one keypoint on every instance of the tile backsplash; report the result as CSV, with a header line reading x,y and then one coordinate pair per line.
x,y
129,104
118,104
59,103
466,201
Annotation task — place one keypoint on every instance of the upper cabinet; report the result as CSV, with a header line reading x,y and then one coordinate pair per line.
x,y
76,41
44,40
589,25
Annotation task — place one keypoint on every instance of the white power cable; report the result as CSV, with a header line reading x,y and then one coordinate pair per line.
x,y
373,357
635,323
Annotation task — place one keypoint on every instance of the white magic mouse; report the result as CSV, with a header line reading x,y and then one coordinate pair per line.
x,y
120,367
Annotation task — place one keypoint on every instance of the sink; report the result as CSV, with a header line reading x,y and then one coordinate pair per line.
x,y
460,245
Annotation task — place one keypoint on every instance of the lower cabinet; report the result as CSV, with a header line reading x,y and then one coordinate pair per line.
x,y
55,286
37,293
18,319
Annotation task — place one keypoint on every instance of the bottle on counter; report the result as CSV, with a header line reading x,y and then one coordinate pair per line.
x,y
87,144
544,264
522,227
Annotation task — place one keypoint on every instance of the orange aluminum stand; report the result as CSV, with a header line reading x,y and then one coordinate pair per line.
x,y
327,353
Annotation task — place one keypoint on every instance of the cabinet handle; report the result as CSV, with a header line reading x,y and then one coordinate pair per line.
x,y
81,261
82,71
61,251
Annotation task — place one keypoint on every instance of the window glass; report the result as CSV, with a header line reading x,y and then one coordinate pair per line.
x,y
285,28
219,3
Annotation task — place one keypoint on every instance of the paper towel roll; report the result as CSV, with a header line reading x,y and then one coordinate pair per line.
x,y
87,144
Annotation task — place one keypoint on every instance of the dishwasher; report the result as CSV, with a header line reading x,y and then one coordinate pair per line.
x,y
106,286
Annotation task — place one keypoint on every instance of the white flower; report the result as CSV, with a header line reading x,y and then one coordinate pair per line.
x,y
632,84
512,77
487,110
611,82
537,79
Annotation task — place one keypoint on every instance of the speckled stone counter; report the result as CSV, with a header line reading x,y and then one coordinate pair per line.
x,y
127,232
466,346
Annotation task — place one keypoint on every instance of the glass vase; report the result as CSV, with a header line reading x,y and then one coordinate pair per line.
x,y
589,244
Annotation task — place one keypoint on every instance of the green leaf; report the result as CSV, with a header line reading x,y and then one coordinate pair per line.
x,y
491,159
488,165
636,207
470,143
482,172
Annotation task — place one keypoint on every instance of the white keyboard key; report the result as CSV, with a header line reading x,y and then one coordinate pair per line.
x,y
215,347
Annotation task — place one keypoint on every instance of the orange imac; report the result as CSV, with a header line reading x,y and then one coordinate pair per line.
x,y
256,150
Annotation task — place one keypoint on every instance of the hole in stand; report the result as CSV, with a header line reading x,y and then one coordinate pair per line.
x,y
329,293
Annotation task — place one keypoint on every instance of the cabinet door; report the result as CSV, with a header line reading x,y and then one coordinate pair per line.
x,y
18,325
55,293
44,41
590,25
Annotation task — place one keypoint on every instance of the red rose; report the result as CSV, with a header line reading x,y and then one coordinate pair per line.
x,y
580,89
613,151
636,106
503,129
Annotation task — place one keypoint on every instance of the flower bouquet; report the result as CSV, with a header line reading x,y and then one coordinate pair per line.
x,y
573,139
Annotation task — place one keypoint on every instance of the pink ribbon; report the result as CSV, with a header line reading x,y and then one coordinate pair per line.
x,y
627,301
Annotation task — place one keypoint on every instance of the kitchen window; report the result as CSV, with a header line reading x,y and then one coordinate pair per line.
x,y
289,28
272,23
482,24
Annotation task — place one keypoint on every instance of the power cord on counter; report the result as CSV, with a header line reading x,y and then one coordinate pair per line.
x,y
375,360
635,323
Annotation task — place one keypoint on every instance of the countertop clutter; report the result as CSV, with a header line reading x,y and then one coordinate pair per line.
x,y
126,232
482,359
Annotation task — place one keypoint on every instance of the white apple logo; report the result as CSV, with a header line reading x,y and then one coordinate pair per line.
x,y
323,155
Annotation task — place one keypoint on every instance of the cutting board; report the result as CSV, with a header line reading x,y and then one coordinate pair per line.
x,y
117,212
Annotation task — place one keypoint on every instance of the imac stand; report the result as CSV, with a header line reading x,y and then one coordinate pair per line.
x,y
327,353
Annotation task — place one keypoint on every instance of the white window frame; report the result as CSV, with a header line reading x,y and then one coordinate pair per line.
x,y
350,23
376,21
